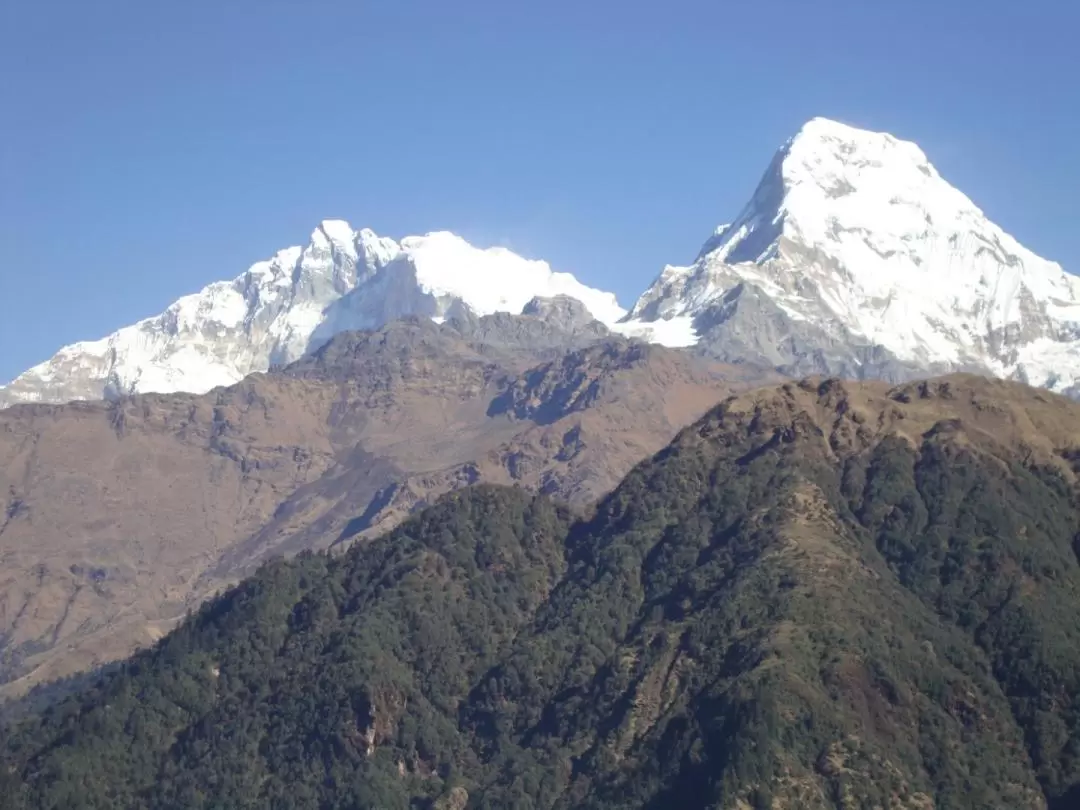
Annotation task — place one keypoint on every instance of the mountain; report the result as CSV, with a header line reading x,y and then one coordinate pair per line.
x,y
282,308
117,517
822,595
855,257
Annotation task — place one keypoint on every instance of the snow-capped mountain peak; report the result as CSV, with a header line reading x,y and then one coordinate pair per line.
x,y
496,279
853,238
285,306
832,179
854,256
339,232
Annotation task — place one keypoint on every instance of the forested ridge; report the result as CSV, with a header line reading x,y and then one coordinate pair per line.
x,y
821,595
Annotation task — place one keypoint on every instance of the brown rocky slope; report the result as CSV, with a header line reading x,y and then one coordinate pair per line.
x,y
820,595
119,517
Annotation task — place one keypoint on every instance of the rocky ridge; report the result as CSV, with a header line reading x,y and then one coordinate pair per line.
x,y
119,516
855,257
282,308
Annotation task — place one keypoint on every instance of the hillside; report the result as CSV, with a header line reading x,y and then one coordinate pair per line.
x,y
821,595
118,517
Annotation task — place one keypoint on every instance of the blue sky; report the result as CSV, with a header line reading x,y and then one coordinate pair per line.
x,y
149,148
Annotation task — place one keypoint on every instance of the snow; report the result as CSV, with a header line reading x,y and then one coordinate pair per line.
x,y
851,231
676,333
338,232
888,249
282,307
377,251
495,279
1042,362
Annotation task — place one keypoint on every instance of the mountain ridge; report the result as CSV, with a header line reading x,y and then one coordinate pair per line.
x,y
117,516
284,307
822,594
853,257
853,247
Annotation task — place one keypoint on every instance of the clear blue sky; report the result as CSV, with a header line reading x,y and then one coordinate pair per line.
x,y
149,148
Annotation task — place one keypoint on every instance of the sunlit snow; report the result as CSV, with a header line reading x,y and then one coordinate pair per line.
x,y
858,228
283,307
851,231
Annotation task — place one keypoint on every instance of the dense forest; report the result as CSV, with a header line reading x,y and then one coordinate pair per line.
x,y
815,598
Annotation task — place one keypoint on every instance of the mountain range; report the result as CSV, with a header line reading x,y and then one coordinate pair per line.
x,y
822,594
117,517
411,524
853,257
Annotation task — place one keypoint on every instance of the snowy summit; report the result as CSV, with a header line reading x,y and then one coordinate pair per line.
x,y
853,257
294,302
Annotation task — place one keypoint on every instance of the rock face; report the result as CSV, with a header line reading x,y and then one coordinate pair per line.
x,y
855,257
291,304
116,517
823,595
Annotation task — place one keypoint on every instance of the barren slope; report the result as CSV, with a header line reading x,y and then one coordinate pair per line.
x,y
119,517
821,595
